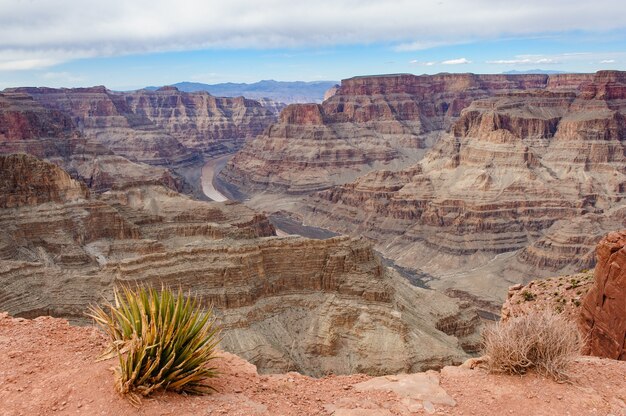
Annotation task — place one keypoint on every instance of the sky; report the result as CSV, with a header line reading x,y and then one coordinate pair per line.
x,y
129,44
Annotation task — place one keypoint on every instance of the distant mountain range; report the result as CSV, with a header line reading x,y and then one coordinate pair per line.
x,y
286,92
534,71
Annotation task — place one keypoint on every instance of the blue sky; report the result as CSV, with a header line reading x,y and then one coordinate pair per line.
x,y
127,45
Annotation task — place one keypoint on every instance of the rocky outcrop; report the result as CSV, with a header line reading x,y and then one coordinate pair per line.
x,y
27,180
603,316
314,306
561,295
371,123
331,91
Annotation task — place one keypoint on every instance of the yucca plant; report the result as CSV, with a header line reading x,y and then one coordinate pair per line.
x,y
163,340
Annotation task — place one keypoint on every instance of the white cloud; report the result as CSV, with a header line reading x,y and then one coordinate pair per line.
x,y
560,59
47,32
24,64
428,63
459,61
528,60
421,45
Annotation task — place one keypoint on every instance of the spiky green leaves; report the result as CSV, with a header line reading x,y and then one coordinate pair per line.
x,y
163,340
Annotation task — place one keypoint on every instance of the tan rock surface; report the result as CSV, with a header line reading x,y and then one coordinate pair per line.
x,y
316,306
47,367
27,180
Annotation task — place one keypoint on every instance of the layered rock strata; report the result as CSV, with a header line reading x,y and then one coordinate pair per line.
x,y
165,126
603,316
524,183
27,126
368,123
314,306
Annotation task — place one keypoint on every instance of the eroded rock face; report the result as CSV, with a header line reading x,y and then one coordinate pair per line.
x,y
538,174
27,180
27,126
166,126
603,315
315,306
370,122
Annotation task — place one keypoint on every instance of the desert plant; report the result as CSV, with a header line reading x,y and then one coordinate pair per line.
x,y
528,296
542,341
163,340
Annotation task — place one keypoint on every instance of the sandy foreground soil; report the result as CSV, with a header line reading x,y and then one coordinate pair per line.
x,y
47,367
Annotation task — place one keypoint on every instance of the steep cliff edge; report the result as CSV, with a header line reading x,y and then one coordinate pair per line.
x,y
36,353
603,317
368,123
315,306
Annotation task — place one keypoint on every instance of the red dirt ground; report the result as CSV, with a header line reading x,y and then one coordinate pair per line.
x,y
48,367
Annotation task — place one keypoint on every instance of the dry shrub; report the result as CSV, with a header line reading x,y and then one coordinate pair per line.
x,y
542,341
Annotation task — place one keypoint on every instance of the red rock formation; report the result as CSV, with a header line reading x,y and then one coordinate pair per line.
x,y
159,127
21,118
603,316
27,180
380,119
303,114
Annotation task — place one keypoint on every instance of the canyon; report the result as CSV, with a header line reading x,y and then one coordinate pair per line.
x,y
285,303
428,196
477,182
112,139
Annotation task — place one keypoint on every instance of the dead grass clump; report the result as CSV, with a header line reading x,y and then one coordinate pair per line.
x,y
541,341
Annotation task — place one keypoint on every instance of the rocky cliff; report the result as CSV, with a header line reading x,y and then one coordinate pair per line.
x,y
603,317
164,127
315,306
529,175
27,126
368,123
27,180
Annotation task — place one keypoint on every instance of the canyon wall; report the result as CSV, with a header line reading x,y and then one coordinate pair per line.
x,y
114,140
26,126
525,176
286,303
368,123
165,126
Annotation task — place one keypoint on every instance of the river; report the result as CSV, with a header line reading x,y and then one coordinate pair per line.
x,y
209,171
